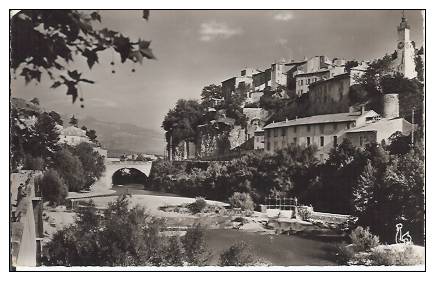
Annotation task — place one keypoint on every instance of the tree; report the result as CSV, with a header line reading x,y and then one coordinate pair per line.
x,y
122,236
92,163
350,64
92,135
73,121
56,117
399,144
402,196
209,94
195,248
45,41
181,121
242,201
35,101
70,169
53,187
44,140
33,163
363,192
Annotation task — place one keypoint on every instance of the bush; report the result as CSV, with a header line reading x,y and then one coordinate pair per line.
x,y
389,257
304,213
238,254
344,254
195,248
53,187
198,206
33,163
242,201
363,240
70,169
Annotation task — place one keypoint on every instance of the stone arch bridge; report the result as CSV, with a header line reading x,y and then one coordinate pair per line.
x,y
105,182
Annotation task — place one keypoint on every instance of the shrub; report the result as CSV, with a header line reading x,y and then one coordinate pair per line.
x,y
195,248
242,201
53,187
344,254
363,240
198,206
238,254
304,213
33,163
390,257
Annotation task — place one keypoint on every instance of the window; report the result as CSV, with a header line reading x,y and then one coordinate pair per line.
x,y
361,140
295,129
308,128
322,141
275,132
308,81
283,131
268,146
275,145
348,125
322,128
335,140
295,140
308,140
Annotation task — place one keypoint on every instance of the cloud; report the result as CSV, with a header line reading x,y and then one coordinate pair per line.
x,y
283,16
213,30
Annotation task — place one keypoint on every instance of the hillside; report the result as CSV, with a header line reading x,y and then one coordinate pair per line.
x,y
125,138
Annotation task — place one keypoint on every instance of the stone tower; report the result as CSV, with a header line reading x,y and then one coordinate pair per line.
x,y
405,50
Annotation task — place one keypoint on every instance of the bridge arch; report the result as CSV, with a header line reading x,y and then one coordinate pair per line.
x,y
112,166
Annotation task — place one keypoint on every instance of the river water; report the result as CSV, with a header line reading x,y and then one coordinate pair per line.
x,y
278,250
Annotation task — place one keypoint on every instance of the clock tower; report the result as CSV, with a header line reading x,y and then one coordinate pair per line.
x,y
405,50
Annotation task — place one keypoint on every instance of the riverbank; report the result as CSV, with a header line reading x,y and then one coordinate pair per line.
x,y
222,230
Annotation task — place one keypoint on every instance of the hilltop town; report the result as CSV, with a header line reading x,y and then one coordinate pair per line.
x,y
318,161
315,101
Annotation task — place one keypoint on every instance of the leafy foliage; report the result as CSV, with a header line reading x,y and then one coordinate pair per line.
x,y
92,162
363,240
45,41
198,206
70,169
53,187
238,255
195,247
209,94
123,237
381,78
73,121
181,121
242,201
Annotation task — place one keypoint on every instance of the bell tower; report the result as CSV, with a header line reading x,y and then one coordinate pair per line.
x,y
405,50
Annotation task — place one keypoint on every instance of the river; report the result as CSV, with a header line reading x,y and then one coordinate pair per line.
x,y
279,250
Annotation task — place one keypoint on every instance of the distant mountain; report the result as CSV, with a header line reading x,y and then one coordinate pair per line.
x,y
125,138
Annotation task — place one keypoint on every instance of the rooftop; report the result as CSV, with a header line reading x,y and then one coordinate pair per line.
x,y
73,131
325,118
383,124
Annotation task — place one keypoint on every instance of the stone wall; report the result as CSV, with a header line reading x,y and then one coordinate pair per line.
x,y
26,219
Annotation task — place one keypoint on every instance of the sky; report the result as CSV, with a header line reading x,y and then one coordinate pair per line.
x,y
197,48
